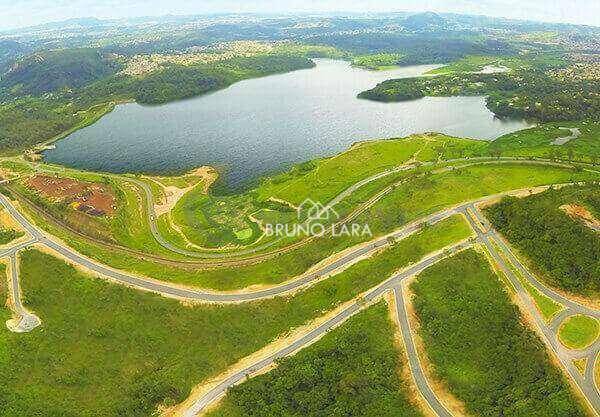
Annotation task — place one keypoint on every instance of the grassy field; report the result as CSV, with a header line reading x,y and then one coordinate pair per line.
x,y
412,200
353,371
537,142
578,332
473,63
323,179
134,351
214,222
479,347
565,252
428,194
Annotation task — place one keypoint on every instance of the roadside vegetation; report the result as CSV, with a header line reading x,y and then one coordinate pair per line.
x,y
353,371
479,347
8,235
564,250
409,201
579,332
545,305
136,350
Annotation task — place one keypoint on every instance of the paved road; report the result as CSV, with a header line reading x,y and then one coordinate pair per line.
x,y
24,321
413,357
207,253
487,235
180,292
175,291
219,390
161,240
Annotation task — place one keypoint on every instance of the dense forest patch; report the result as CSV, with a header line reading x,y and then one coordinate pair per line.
x,y
353,371
533,93
566,251
479,347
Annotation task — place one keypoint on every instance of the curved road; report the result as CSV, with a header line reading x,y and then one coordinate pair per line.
x,y
190,294
24,321
585,385
413,357
220,389
162,241
230,259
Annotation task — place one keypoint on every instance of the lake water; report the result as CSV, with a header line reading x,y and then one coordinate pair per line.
x,y
263,125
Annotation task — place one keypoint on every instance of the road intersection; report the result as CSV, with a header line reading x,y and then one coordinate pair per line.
x,y
485,235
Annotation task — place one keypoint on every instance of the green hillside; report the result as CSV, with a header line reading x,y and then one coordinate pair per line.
x,y
56,70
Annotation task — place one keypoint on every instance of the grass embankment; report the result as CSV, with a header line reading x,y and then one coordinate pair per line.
x,y
579,332
565,251
474,337
321,180
353,371
136,350
214,221
428,194
546,306
409,201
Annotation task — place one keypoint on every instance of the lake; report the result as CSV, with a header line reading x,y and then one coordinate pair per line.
x,y
259,126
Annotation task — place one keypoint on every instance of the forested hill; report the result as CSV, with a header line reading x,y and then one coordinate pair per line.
x,y
10,50
50,71
531,94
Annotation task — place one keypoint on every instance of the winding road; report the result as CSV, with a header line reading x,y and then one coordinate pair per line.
x,y
585,383
315,334
413,357
485,235
24,321
171,290
162,241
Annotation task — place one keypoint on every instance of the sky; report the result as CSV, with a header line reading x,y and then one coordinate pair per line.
x,y
22,13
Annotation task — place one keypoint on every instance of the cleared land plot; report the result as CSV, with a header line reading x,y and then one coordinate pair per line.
x,y
94,199
478,345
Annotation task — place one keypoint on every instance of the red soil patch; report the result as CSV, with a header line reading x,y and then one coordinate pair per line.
x,y
582,214
94,199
